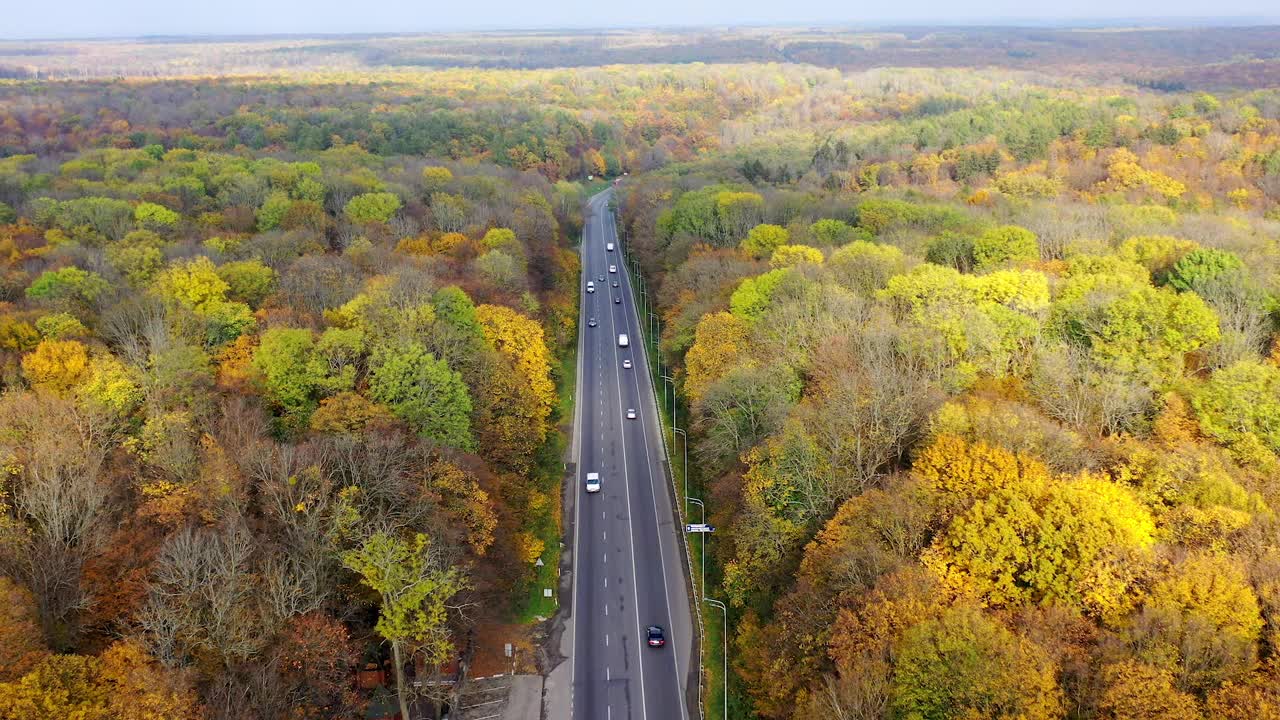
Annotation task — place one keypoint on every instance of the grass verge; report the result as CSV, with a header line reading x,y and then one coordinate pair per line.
x,y
532,605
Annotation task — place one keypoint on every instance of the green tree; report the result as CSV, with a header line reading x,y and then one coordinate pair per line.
x,y
987,322
290,373
68,287
964,665
754,294
196,286
1131,328
835,232
103,218
248,281
58,326
1240,407
455,309
372,207
764,239
423,392
737,212
414,588
155,217
865,267
138,257
1203,267
273,211
1006,245
954,250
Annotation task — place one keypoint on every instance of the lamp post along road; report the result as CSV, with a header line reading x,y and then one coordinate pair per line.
x,y
703,530
724,635
685,443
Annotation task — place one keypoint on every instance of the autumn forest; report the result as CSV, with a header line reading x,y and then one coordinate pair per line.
x,y
975,336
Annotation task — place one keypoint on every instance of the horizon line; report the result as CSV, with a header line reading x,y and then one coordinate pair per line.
x,y
1136,22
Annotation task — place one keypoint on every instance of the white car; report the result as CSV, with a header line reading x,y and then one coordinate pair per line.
x,y
608,247
631,413
626,364
591,322
591,286
593,482
612,269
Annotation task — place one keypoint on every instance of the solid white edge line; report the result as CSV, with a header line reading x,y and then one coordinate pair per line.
x,y
577,469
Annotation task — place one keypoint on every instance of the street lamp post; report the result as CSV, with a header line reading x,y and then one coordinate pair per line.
x,y
672,382
724,635
685,438
667,380
702,505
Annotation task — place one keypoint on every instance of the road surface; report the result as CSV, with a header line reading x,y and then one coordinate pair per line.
x,y
628,571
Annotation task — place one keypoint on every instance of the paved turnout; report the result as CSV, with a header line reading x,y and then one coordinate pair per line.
x,y
627,569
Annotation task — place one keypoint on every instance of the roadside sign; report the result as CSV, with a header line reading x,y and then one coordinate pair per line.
x,y
699,528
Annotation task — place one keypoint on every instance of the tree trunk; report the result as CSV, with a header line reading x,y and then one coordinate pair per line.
x,y
395,657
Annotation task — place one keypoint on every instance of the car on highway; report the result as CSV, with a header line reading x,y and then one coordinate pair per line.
x,y
593,482
601,278
626,364
623,340
656,636
612,269
631,413
608,247
591,322
617,300
591,286
615,283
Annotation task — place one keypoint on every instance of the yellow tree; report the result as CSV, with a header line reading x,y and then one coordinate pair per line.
x,y
790,255
521,339
518,395
1028,538
720,342
139,688
1137,691
57,365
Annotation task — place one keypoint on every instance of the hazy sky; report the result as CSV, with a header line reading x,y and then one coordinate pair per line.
x,y
115,18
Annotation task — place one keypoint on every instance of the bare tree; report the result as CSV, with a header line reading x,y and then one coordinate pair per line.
x,y
1070,388
1242,316
861,693
299,494
205,598
876,388
60,503
741,409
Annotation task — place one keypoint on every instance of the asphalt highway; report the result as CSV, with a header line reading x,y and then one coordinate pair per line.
x,y
628,572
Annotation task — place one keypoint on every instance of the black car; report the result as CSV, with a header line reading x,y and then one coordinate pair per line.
x,y
617,300
656,638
